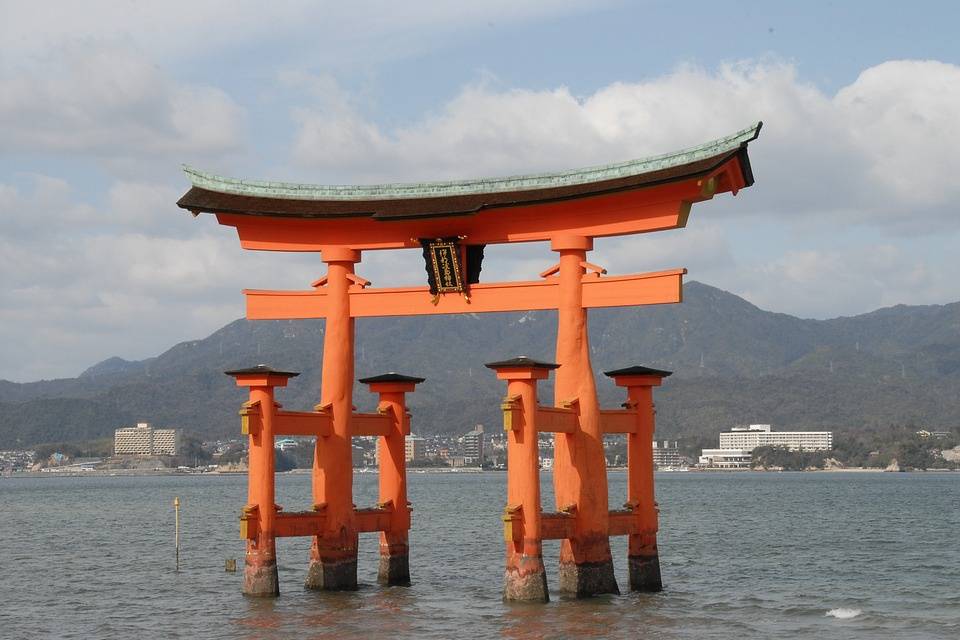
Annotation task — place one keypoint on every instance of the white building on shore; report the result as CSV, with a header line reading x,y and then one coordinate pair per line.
x,y
144,440
666,453
725,458
737,445
761,435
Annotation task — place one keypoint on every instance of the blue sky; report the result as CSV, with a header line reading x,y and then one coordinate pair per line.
x,y
100,102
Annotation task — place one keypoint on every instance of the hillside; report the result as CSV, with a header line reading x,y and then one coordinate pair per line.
x,y
733,363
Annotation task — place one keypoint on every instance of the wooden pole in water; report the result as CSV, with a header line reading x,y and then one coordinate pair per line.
x,y
176,527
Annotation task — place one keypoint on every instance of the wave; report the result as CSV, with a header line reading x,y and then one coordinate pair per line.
x,y
842,613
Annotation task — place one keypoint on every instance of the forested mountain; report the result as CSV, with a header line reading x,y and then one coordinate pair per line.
x,y
733,363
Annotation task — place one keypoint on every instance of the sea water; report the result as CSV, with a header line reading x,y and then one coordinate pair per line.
x,y
743,555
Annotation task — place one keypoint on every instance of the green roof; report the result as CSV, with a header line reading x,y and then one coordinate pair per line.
x,y
293,191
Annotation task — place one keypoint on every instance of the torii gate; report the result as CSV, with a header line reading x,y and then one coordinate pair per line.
x,y
452,222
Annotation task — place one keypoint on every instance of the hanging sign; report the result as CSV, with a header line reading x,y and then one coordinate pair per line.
x,y
451,266
444,266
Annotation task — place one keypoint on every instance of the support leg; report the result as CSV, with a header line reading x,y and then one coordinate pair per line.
x,y
333,555
525,579
643,557
260,577
394,559
580,475
644,563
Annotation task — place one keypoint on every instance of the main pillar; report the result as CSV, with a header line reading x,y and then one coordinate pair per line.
x,y
580,469
525,579
333,555
394,542
643,556
260,577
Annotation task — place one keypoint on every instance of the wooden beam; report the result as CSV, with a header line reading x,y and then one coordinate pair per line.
x,y
556,526
623,523
611,214
618,421
303,423
557,420
371,424
311,523
373,519
286,525
663,287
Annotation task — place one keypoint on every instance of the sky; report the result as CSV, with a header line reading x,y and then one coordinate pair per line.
x,y
101,102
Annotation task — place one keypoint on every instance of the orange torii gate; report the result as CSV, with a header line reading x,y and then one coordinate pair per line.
x,y
451,222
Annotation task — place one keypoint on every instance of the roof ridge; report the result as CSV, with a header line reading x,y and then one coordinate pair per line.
x,y
571,177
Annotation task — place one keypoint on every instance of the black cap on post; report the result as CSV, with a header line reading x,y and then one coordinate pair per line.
x,y
521,362
391,377
637,370
263,370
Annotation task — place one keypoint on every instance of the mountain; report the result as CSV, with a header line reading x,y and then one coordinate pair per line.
x,y
733,363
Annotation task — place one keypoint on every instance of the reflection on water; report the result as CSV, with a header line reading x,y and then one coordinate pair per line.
x,y
748,555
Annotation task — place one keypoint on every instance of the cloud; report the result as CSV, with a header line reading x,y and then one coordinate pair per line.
x,y
369,30
111,102
827,283
117,270
880,151
130,277
904,124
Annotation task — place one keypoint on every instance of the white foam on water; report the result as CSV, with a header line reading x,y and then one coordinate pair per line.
x,y
842,613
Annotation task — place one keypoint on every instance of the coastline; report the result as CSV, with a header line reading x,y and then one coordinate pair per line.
x,y
425,470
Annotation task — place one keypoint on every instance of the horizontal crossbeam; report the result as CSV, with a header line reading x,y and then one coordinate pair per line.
x,y
560,525
557,420
662,287
623,523
618,421
371,424
556,526
312,523
303,423
316,423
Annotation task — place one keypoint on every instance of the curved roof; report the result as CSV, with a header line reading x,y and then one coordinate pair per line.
x,y
217,194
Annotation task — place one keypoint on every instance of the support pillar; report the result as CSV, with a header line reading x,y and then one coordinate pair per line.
x,y
260,577
525,579
333,554
394,543
643,556
580,469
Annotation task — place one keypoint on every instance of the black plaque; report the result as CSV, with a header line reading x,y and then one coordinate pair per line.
x,y
444,266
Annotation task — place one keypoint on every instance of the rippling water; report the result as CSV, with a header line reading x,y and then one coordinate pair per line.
x,y
743,555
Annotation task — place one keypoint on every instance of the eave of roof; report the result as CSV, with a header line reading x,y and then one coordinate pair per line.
x,y
216,194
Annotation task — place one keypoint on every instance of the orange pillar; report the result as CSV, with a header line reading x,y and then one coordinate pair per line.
x,y
394,543
643,557
260,576
525,579
333,555
580,469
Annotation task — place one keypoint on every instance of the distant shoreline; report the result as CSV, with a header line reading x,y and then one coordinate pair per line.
x,y
419,470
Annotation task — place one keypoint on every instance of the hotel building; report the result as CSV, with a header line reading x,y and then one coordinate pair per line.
x,y
737,445
144,440
415,448
761,435
666,453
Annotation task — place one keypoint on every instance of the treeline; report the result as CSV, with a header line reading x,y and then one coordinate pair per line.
x,y
191,453
99,448
869,448
783,458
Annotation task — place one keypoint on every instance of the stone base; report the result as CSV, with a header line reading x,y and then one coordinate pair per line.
x,y
260,578
332,575
645,573
588,578
394,570
526,584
